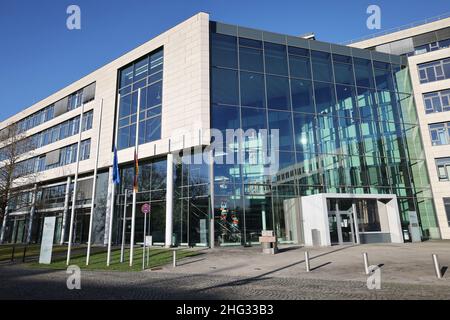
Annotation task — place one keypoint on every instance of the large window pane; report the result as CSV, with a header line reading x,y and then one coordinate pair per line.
x,y
224,117
283,122
252,90
304,128
343,69
346,101
153,129
278,95
363,73
251,59
300,67
126,76
383,76
223,51
154,94
325,97
321,65
276,58
125,106
253,119
225,86
140,69
302,96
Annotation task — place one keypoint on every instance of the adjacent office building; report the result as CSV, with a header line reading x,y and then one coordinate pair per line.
x,y
350,162
427,48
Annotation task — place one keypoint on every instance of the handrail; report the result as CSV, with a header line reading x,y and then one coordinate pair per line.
x,y
396,29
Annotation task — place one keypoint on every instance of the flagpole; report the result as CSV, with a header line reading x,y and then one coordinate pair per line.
x,y
75,185
124,224
143,247
94,186
136,149
113,190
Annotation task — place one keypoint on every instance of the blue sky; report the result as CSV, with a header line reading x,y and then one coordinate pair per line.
x,y
39,55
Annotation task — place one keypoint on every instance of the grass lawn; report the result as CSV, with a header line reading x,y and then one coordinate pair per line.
x,y
158,257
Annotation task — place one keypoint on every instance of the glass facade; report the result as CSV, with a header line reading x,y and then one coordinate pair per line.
x,y
346,125
146,74
191,202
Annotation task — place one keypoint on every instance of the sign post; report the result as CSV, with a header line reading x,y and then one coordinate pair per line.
x,y
145,209
48,233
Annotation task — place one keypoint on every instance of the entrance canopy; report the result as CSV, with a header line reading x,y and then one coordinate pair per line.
x,y
335,218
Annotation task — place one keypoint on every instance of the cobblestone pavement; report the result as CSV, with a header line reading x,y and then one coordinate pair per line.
x,y
22,283
247,274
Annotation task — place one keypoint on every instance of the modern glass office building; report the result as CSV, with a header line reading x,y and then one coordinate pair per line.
x,y
350,164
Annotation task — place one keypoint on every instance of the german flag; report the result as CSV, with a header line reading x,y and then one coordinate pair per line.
x,y
136,171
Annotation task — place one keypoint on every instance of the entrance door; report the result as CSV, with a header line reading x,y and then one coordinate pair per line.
x,y
342,227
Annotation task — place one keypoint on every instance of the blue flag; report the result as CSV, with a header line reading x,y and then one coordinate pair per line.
x,y
116,173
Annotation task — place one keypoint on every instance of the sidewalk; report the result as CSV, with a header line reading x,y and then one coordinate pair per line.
x,y
408,263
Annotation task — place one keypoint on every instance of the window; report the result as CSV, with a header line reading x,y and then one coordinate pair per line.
x,y
146,75
305,126
74,100
35,119
251,55
61,131
302,96
224,86
383,76
437,101
363,73
276,58
85,149
321,65
325,97
440,133
447,208
282,121
223,51
343,69
433,46
252,90
225,117
434,71
299,63
443,168
278,93
87,121
67,155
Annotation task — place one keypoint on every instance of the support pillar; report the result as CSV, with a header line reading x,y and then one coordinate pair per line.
x,y
66,210
169,201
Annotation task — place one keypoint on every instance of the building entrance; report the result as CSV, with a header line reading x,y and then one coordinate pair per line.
x,y
342,227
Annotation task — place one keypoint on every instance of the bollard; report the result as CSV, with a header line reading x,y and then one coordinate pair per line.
x,y
366,263
24,253
13,252
174,259
437,267
308,269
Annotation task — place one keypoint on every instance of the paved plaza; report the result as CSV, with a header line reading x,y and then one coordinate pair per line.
x,y
245,273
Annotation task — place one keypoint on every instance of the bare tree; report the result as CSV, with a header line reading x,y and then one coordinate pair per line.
x,y
16,175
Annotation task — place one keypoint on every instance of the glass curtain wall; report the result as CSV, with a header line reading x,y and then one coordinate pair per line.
x,y
346,125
